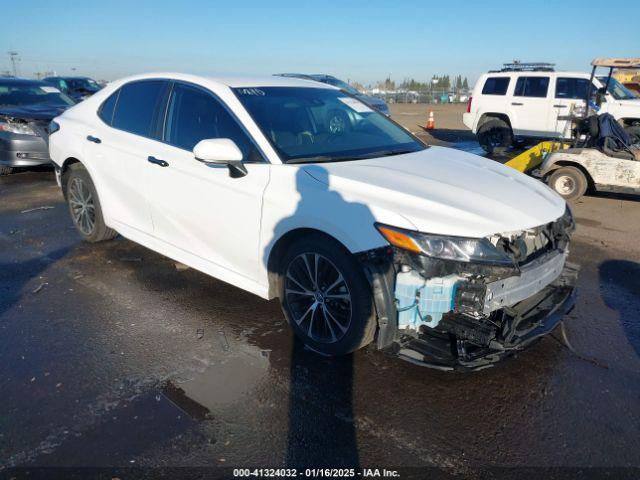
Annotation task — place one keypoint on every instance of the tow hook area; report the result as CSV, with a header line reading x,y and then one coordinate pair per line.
x,y
455,316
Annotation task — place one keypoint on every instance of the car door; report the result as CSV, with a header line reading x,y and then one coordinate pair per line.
x,y
529,107
201,209
118,146
569,93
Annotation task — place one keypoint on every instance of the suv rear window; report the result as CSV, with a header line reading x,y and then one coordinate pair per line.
x,y
532,87
574,88
496,86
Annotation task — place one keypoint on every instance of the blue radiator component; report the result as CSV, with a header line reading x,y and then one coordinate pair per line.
x,y
423,302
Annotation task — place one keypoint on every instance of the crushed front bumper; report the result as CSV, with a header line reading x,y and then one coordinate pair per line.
x,y
470,341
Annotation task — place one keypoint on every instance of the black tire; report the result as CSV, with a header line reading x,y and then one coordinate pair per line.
x,y
495,136
633,132
349,325
82,199
5,170
569,182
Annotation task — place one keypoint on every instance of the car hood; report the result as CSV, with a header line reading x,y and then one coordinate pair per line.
x,y
33,112
445,191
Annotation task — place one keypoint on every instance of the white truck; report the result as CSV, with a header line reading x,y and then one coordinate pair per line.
x,y
525,101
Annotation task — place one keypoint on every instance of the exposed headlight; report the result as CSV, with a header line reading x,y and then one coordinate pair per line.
x,y
15,127
460,249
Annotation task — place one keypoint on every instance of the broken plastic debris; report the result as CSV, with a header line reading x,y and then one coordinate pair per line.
x,y
46,207
39,287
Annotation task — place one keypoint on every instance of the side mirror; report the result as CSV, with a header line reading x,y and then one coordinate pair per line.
x,y
221,151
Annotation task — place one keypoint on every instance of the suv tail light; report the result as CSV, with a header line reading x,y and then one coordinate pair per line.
x,y
469,104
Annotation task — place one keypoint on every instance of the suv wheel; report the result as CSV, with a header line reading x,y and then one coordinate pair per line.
x,y
569,182
495,136
5,170
84,205
325,296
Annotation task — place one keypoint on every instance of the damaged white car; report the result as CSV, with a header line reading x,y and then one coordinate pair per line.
x,y
294,189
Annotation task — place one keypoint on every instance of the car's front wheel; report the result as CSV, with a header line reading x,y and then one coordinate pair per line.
x,y
326,297
84,205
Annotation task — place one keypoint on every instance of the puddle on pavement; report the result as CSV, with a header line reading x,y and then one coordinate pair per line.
x,y
220,385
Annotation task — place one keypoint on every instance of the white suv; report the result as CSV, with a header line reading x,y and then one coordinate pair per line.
x,y
362,232
510,105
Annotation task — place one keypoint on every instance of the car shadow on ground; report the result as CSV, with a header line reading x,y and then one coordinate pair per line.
x,y
620,290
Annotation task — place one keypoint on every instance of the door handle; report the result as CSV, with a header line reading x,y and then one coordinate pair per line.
x,y
94,139
517,104
559,106
157,161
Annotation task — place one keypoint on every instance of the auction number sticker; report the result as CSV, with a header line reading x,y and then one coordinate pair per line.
x,y
49,89
355,104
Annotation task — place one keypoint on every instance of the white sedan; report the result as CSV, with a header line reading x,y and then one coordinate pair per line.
x,y
294,189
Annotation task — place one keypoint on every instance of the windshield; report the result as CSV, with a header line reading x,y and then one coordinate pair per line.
x,y
83,84
617,90
23,95
317,124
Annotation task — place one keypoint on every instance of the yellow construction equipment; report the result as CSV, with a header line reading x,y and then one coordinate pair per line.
x,y
530,159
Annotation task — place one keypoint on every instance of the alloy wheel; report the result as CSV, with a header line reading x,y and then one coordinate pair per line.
x,y
83,209
318,298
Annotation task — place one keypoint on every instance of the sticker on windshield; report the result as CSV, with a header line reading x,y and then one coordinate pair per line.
x,y
354,104
49,89
251,91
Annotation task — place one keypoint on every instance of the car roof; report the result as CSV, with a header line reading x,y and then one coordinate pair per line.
x,y
25,82
232,81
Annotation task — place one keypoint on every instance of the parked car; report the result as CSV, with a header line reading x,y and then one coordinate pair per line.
x,y
77,88
364,234
374,102
26,108
511,105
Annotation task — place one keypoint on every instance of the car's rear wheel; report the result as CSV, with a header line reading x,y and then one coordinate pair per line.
x,y
5,170
569,182
326,297
495,136
84,205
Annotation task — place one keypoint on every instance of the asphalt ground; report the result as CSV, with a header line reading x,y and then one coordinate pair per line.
x,y
114,357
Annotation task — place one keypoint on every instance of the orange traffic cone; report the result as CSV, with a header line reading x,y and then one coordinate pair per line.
x,y
431,123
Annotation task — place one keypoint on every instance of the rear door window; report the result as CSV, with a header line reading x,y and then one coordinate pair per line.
x,y
571,88
496,86
536,87
137,108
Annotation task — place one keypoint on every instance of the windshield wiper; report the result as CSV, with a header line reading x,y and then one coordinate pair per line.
x,y
327,158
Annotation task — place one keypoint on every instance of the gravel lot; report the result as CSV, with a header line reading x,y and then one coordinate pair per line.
x,y
114,357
